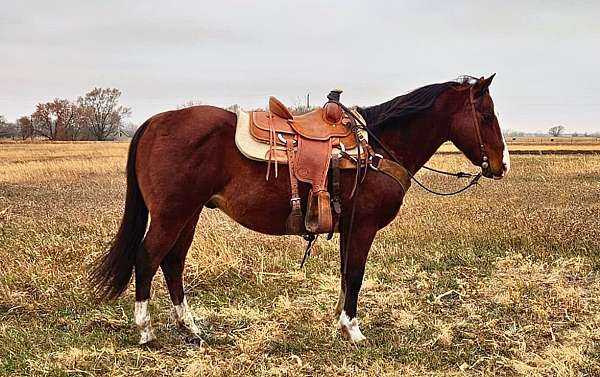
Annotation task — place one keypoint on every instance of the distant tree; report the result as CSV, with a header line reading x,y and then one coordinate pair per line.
x,y
55,120
556,131
25,127
79,128
101,112
300,107
129,129
233,108
513,133
3,125
7,129
190,103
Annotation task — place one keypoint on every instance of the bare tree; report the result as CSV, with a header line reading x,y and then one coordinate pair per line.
x,y
129,129
3,126
300,107
54,120
7,129
233,108
556,131
25,127
79,127
43,121
102,113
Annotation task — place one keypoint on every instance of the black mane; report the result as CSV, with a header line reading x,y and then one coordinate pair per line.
x,y
404,106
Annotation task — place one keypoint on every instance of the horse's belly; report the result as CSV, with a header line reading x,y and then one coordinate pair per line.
x,y
259,214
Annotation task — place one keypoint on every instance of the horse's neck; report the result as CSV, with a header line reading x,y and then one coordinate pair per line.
x,y
414,142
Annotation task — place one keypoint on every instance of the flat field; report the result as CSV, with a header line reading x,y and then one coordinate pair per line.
x,y
545,145
502,280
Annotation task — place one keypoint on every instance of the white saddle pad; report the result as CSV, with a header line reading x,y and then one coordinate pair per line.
x,y
255,150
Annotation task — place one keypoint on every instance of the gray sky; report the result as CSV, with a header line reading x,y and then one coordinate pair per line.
x,y
546,53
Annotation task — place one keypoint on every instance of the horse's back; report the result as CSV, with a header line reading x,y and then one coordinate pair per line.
x,y
190,123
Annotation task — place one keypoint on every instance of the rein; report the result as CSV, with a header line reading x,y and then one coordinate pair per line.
x,y
475,177
357,124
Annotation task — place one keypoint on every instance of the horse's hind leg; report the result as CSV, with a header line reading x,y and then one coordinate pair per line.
x,y
159,240
172,266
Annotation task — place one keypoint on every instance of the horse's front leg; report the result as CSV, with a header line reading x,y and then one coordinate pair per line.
x,y
360,243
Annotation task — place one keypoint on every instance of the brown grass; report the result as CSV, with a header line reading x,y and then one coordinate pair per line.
x,y
531,145
502,280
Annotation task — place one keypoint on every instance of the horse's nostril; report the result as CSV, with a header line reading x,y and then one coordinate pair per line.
x,y
504,167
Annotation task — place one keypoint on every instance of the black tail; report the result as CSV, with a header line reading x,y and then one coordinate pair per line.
x,y
111,272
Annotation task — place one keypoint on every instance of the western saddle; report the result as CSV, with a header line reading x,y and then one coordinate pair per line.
x,y
314,144
309,140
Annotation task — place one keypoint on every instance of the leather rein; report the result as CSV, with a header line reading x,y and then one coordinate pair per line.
x,y
475,177
358,124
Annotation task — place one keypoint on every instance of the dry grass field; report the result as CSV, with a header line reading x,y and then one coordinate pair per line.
x,y
543,145
503,280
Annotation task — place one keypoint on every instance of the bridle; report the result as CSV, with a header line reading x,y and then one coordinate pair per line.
x,y
475,176
357,124
484,158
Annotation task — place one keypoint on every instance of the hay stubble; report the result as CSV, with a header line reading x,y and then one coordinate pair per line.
x,y
502,280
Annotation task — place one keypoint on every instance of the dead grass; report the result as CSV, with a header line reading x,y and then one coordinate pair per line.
x,y
500,281
568,146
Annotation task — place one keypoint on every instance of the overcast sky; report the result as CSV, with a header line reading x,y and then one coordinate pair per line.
x,y
160,54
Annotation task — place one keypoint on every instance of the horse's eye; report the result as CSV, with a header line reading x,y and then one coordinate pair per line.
x,y
487,117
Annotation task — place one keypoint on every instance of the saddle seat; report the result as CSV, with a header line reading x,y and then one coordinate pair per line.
x,y
320,124
307,141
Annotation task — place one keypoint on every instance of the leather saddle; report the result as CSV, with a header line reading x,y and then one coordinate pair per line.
x,y
308,140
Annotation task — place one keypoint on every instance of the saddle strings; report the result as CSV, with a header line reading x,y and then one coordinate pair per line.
x,y
272,147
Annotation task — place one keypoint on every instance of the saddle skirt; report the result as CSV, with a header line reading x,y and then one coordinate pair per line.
x,y
255,146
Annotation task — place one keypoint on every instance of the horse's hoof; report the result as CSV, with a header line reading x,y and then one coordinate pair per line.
x,y
191,333
147,337
195,340
350,329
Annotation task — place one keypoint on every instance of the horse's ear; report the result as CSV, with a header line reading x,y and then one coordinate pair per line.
x,y
489,80
482,85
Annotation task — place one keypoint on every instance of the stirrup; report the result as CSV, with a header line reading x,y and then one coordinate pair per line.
x,y
318,213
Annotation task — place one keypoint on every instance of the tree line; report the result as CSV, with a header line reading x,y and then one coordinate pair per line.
x,y
97,115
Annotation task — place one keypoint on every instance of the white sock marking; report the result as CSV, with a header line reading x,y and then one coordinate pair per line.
x,y
185,318
350,328
142,320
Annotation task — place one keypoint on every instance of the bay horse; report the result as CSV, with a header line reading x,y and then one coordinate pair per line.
x,y
182,161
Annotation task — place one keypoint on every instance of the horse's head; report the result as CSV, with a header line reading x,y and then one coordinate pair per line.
x,y
475,130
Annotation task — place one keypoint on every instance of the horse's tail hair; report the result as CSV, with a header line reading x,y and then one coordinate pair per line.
x,y
111,272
